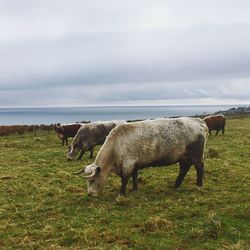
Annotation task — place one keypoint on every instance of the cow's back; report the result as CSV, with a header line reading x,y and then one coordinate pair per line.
x,y
151,140
95,133
99,132
216,122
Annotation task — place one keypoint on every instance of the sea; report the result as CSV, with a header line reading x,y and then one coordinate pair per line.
x,y
52,115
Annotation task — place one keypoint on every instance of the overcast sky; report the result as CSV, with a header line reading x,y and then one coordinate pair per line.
x,y
116,52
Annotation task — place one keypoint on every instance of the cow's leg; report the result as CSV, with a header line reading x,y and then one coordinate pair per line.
x,y
124,185
197,160
184,167
128,170
210,132
223,131
135,181
81,154
217,131
62,142
91,150
66,139
199,166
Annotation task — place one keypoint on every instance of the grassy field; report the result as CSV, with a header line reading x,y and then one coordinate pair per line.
x,y
44,206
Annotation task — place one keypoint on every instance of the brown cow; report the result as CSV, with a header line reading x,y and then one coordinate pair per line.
x,y
215,122
64,131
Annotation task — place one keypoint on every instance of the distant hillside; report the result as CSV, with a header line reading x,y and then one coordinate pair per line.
x,y
236,111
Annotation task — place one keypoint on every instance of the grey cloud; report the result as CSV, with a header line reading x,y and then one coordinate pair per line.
x,y
131,92
159,55
117,53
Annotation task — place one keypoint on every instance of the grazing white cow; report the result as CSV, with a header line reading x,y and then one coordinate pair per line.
x,y
90,135
137,145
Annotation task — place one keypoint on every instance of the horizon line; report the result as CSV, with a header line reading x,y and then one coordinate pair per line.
x,y
137,105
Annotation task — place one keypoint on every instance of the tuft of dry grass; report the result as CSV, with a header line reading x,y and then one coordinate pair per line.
x,y
155,224
212,153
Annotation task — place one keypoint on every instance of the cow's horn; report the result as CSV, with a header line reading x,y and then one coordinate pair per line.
x,y
81,171
91,171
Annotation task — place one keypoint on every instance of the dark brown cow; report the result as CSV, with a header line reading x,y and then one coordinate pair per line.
x,y
215,122
64,131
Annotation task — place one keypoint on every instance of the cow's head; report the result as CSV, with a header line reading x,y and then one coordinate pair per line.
x,y
73,150
59,128
96,179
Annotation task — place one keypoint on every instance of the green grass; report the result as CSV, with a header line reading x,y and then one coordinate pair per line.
x,y
44,206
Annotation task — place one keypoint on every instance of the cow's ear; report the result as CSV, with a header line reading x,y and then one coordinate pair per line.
x,y
97,171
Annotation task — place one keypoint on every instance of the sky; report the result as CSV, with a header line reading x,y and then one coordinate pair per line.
x,y
116,52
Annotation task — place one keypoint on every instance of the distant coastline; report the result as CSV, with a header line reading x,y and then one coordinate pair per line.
x,y
52,115
242,110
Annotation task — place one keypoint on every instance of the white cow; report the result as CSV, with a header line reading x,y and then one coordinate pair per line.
x,y
90,135
137,145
